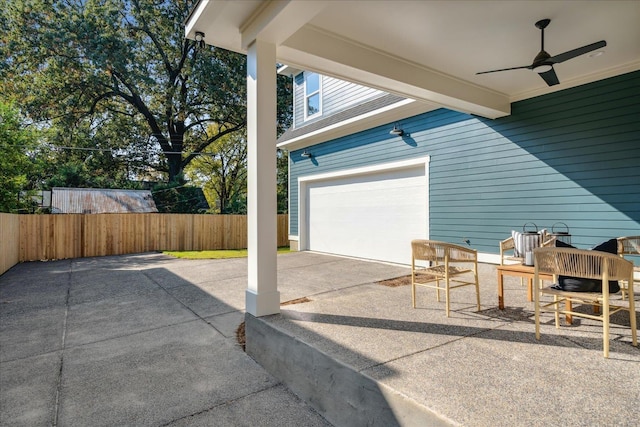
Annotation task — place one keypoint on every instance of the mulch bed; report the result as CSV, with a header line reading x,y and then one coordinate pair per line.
x,y
296,301
240,337
402,280
240,331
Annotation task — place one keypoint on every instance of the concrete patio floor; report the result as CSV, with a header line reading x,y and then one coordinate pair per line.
x,y
147,339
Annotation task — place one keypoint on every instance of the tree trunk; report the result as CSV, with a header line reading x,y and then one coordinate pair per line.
x,y
174,161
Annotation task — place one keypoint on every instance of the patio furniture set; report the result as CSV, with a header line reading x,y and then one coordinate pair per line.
x,y
445,266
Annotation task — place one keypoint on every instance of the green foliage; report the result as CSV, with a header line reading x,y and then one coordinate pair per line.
x,y
15,164
125,61
119,95
284,103
282,189
175,197
92,156
222,174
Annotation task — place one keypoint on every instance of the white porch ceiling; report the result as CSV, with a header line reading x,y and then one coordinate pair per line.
x,y
432,50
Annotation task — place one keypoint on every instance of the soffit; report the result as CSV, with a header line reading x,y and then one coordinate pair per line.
x,y
432,50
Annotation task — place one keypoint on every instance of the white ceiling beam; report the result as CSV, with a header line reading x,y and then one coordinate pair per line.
x,y
312,48
276,20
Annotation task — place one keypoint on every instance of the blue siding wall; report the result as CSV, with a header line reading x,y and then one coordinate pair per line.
x,y
571,156
337,95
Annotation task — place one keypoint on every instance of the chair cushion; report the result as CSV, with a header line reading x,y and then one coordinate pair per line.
x,y
579,284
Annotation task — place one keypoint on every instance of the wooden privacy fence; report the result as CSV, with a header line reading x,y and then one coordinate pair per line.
x,y
9,241
84,235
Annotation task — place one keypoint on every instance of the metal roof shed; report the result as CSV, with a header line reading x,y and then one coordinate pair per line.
x,y
98,200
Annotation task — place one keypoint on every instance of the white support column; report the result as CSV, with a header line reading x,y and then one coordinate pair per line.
x,y
262,296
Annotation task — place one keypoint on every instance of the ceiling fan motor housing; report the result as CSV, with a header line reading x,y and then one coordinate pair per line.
x,y
542,24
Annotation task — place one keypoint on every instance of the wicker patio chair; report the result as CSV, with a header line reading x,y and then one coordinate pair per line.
x,y
450,266
508,246
629,245
589,265
507,249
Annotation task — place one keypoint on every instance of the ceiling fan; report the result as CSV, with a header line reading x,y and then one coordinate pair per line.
x,y
543,62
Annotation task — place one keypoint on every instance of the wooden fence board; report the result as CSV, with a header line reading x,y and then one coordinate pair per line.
x,y
9,241
63,236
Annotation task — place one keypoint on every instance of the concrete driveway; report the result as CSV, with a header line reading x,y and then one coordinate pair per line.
x,y
138,340
147,339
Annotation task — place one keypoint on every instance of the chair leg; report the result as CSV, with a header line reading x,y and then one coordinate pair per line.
x,y
632,318
475,274
413,293
556,306
605,327
536,303
446,295
438,290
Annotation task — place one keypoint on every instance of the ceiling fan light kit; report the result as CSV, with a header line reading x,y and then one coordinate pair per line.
x,y
542,68
543,62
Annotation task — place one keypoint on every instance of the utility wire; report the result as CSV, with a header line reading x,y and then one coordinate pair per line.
x,y
113,150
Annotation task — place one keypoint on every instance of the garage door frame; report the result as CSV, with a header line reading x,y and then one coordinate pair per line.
x,y
303,182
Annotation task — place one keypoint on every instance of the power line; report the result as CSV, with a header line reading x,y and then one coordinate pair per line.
x,y
114,150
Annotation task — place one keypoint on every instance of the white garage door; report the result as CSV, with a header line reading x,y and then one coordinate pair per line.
x,y
370,215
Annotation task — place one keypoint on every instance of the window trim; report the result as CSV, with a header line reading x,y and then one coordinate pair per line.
x,y
306,96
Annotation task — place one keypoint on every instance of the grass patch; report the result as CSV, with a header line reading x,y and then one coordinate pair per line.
x,y
221,254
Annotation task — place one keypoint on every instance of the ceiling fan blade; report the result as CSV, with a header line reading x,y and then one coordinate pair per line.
x,y
550,77
504,69
576,52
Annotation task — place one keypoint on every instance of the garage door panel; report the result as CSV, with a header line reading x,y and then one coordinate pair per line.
x,y
371,216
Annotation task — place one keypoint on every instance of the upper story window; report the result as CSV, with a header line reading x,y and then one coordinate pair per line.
x,y
312,95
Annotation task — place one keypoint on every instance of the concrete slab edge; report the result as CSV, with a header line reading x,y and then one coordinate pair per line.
x,y
342,395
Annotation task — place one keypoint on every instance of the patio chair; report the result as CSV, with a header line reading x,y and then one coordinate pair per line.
x,y
578,263
448,265
629,245
507,249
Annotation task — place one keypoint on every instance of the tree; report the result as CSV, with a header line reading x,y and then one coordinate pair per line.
x,y
91,153
124,61
222,173
282,189
176,198
15,164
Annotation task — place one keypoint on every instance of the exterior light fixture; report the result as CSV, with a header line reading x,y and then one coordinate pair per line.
x,y
397,130
306,154
200,39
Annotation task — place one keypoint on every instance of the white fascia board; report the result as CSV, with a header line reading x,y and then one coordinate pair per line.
x,y
287,70
204,16
314,49
390,113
